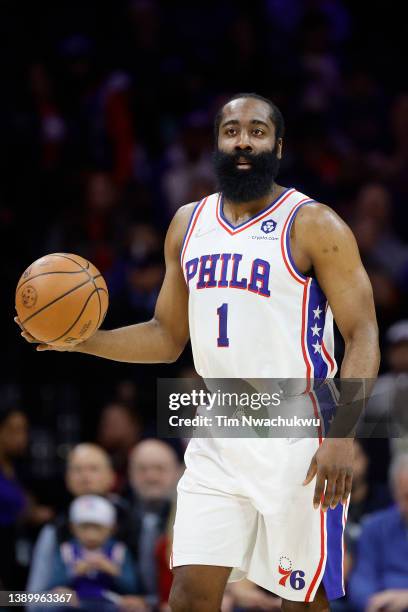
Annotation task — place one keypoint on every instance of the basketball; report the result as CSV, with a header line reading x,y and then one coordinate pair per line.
x,y
61,299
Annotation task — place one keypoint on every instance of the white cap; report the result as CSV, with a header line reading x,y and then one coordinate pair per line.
x,y
92,509
398,332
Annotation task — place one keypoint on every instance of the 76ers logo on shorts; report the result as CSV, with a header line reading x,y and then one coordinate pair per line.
x,y
287,572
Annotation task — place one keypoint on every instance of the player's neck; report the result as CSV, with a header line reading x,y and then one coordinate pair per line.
x,y
237,212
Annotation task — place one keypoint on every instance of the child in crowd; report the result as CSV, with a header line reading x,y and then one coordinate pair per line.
x,y
93,565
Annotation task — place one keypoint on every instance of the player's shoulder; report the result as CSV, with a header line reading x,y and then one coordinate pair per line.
x,y
317,219
179,225
184,214
182,218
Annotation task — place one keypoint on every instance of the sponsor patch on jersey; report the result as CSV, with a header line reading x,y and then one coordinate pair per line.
x,y
268,226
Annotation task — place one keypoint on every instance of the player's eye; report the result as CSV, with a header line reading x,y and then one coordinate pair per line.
x,y
231,131
258,132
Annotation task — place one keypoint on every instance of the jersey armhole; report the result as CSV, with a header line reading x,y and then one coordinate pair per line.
x,y
188,227
289,261
194,216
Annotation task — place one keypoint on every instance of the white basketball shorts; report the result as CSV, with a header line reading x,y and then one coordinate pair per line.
x,y
241,504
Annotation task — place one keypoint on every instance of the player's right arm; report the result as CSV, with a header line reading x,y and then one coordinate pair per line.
x,y
163,338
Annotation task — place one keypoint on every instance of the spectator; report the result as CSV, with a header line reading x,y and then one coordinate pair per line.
x,y
154,471
91,228
19,510
379,244
88,472
92,564
119,430
135,279
394,165
380,577
13,500
366,496
190,175
386,413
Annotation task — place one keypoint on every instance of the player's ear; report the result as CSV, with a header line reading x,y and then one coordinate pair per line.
x,y
279,146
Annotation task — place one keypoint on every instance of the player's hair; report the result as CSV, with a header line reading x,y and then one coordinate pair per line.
x,y
276,116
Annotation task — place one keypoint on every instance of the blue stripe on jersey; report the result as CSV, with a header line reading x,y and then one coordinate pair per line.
x,y
316,317
292,263
333,573
258,214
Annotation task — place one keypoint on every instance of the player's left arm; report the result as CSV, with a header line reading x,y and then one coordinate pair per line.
x,y
326,244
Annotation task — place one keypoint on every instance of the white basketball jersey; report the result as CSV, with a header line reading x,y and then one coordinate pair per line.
x,y
252,314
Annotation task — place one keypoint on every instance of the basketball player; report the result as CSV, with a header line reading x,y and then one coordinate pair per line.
x,y
253,275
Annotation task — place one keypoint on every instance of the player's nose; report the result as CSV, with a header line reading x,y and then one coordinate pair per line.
x,y
243,142
243,145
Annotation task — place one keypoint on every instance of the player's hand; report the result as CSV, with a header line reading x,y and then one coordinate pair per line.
x,y
332,464
100,562
392,600
42,347
82,567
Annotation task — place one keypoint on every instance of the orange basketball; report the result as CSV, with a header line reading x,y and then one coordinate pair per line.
x,y
61,299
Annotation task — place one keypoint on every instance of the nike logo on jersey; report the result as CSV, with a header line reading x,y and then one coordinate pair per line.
x,y
222,270
200,233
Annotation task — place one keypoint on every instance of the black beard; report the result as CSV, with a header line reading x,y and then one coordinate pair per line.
x,y
245,185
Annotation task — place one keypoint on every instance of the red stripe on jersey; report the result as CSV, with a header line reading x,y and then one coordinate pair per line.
x,y
321,560
328,357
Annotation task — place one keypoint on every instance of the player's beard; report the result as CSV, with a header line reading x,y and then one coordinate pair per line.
x,y
239,185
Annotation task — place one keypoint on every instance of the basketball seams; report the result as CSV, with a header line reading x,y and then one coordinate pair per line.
x,y
107,297
64,256
91,278
27,280
100,305
54,301
76,320
99,299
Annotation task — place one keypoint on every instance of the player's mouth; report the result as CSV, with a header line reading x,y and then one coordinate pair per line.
x,y
243,164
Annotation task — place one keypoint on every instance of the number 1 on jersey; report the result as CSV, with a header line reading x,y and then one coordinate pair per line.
x,y
222,312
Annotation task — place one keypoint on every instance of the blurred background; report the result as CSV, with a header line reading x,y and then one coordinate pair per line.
x,y
106,122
